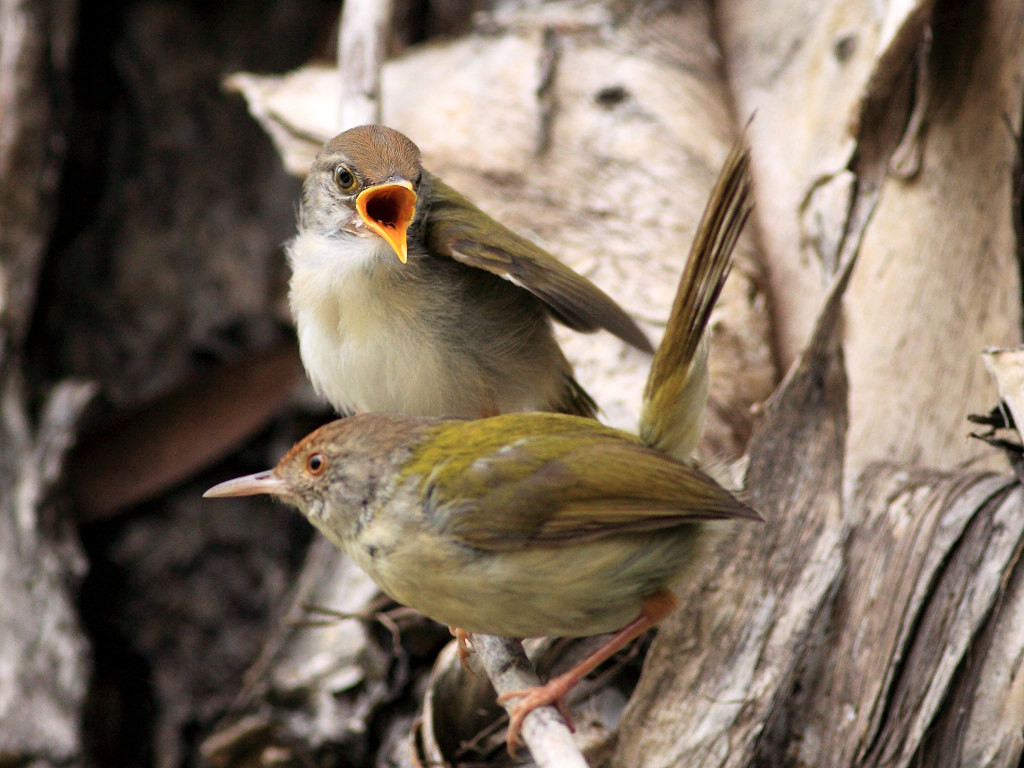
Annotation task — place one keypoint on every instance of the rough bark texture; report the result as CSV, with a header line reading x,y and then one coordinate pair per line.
x,y
44,656
151,253
882,137
873,621
725,661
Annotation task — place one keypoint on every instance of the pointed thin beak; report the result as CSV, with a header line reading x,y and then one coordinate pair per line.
x,y
250,485
388,210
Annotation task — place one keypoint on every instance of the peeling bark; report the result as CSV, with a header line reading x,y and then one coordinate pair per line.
x,y
44,655
874,621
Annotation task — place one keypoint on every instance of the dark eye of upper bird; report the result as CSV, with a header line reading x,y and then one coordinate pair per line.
x,y
316,463
345,179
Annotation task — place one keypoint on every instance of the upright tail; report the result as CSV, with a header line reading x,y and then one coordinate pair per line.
x,y
672,415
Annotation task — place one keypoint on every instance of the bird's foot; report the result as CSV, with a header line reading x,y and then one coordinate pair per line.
x,y
551,694
653,608
463,647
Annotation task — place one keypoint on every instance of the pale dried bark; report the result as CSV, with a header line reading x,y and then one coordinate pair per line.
x,y
886,135
878,633
44,656
883,146
362,47
318,678
925,300
723,665
35,47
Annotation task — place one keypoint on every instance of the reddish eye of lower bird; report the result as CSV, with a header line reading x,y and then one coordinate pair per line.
x,y
316,463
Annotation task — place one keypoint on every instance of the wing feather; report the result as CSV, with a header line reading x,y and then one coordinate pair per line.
x,y
570,479
453,229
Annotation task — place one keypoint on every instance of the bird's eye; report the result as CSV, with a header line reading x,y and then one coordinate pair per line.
x,y
345,179
316,463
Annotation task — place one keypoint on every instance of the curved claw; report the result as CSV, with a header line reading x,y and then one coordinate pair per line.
x,y
654,608
463,648
551,694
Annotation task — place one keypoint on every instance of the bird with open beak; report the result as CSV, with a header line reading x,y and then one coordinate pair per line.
x,y
536,523
410,299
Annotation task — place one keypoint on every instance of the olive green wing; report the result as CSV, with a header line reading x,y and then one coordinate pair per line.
x,y
571,482
453,228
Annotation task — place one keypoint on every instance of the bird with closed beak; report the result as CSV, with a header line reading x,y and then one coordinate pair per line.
x,y
408,298
529,524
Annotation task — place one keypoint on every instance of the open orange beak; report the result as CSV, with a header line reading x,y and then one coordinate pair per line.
x,y
250,485
388,210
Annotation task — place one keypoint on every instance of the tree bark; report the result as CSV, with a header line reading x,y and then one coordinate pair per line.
x,y
44,656
872,621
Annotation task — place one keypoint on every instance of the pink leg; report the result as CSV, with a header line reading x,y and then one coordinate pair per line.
x,y
654,609
462,647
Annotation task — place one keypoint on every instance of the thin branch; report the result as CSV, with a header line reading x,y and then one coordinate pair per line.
x,y
544,730
362,46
